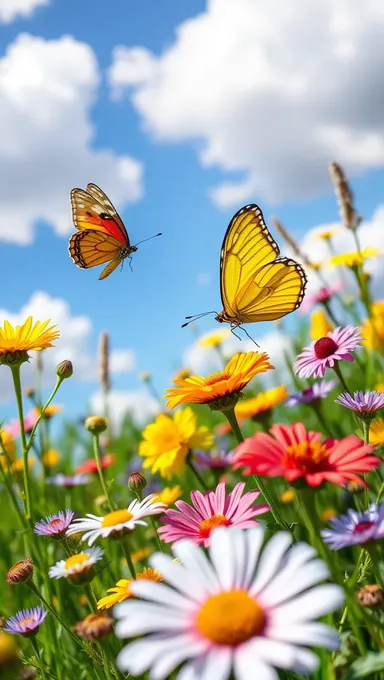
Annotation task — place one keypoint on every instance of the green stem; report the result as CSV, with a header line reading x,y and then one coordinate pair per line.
x,y
19,400
316,406
44,408
96,451
39,657
328,309
339,374
366,425
159,543
53,611
128,558
231,417
196,473
12,495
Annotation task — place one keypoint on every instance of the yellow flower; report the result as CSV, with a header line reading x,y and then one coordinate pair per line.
x,y
327,234
17,341
327,514
288,496
319,324
50,411
376,431
139,555
264,401
213,338
182,374
379,387
373,328
8,652
50,458
169,494
7,444
121,590
18,464
353,259
168,440
220,385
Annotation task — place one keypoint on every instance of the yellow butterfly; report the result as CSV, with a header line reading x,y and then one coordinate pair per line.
x,y
255,283
101,236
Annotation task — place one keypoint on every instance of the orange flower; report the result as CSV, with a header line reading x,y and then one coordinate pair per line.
x,y
219,386
264,401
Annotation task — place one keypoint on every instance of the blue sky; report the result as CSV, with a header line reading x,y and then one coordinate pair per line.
x,y
172,190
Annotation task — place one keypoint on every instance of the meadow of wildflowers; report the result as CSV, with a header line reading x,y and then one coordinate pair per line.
x,y
238,535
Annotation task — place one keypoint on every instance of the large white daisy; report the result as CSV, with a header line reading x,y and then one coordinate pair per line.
x,y
118,522
244,609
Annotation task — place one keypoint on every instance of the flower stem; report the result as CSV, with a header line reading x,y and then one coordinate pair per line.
x,y
316,406
128,558
196,473
231,417
339,374
159,543
19,400
366,425
39,657
96,451
53,611
42,412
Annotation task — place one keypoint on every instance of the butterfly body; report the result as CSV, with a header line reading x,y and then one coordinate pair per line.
x,y
101,236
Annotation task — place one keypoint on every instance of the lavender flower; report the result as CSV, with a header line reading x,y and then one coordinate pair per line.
x,y
54,525
364,404
216,459
355,528
26,622
68,480
318,390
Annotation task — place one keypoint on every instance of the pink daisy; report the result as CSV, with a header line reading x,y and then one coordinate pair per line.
x,y
322,296
323,353
211,509
29,422
55,525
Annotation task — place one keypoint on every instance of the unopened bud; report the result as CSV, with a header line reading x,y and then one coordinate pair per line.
x,y
371,596
136,481
96,424
20,572
30,393
64,369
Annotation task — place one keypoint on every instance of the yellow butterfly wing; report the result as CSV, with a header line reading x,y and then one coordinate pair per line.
x,y
89,248
256,285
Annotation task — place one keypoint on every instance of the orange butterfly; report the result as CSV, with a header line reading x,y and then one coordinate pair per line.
x,y
102,236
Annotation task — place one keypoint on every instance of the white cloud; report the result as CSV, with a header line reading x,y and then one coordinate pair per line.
x,y
271,89
12,9
138,403
47,90
74,344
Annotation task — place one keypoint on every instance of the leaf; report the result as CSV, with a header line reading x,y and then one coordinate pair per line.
x,y
363,668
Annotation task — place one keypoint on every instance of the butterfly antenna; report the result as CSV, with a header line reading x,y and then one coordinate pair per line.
x,y
149,239
194,317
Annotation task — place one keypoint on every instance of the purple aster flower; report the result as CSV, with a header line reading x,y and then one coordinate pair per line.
x,y
68,480
355,528
55,525
323,353
318,390
364,404
26,622
216,459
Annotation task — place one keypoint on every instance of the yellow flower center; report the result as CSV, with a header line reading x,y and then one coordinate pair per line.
x,y
230,618
29,619
116,517
211,523
305,455
76,560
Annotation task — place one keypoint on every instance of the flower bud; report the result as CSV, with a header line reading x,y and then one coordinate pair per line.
x,y
64,369
145,376
30,393
20,572
95,626
136,482
371,596
96,424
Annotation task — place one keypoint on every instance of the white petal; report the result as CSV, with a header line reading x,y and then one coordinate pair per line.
x,y
254,539
180,576
247,666
284,655
224,547
310,605
140,617
217,664
270,560
313,634
162,594
293,580
196,562
174,652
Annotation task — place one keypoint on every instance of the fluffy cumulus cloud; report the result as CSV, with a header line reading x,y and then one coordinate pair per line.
x,y
137,403
75,344
13,9
47,90
272,90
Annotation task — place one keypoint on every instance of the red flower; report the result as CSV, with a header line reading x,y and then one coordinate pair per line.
x,y
88,466
294,453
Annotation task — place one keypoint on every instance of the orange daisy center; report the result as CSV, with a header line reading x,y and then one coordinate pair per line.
x,y
305,455
76,560
211,523
230,618
116,517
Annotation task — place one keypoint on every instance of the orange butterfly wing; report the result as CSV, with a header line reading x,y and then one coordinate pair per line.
x,y
92,209
89,247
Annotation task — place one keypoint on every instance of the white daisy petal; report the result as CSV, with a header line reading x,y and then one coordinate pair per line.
x,y
137,618
310,605
162,594
284,655
289,582
217,664
223,552
314,634
270,559
195,560
178,576
247,666
174,652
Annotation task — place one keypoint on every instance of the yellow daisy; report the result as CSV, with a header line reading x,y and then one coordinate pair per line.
x,y
353,259
264,401
18,464
372,329
222,388
168,440
169,494
327,234
17,341
213,338
376,431
139,555
50,458
288,496
182,374
50,411
319,325
7,446
121,590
